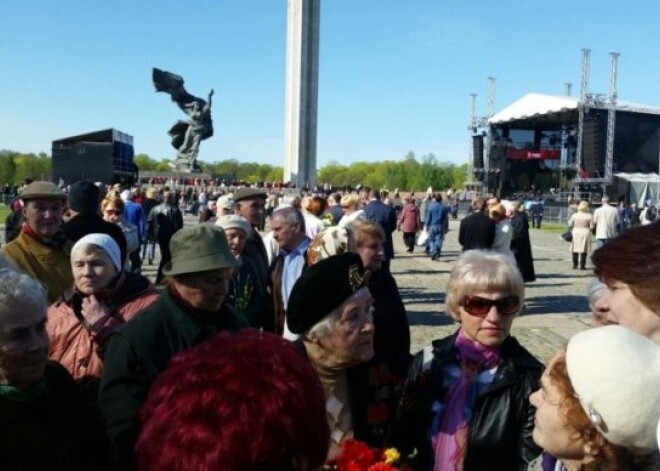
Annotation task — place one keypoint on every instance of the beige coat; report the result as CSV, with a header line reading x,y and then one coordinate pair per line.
x,y
580,223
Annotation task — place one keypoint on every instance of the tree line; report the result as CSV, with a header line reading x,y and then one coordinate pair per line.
x,y
405,174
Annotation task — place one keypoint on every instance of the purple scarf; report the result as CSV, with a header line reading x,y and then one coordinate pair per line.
x,y
450,441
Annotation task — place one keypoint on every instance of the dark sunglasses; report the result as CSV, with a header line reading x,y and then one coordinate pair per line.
x,y
116,212
478,306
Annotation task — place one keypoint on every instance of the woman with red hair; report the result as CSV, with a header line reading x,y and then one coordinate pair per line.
x,y
242,401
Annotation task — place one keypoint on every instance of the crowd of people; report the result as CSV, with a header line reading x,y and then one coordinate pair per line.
x,y
281,349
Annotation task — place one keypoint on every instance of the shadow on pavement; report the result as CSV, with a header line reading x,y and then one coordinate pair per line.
x,y
555,304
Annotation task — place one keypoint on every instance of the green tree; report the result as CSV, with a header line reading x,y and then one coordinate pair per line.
x,y
144,162
7,169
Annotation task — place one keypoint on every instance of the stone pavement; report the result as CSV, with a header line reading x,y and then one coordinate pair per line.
x,y
555,304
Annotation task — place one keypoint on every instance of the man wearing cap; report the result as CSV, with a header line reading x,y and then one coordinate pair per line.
x,y
84,199
190,311
41,249
331,309
250,203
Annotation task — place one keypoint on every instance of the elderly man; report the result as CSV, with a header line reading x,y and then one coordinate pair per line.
x,y
250,203
331,309
288,228
605,221
190,311
41,249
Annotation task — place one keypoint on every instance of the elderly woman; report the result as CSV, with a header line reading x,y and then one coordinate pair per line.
x,y
286,426
245,293
392,332
103,298
580,225
598,406
465,403
350,204
46,422
630,269
331,309
503,231
112,208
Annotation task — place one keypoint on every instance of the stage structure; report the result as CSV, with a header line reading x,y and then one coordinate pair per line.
x,y
585,143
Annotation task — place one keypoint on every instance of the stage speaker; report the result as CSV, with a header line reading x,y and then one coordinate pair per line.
x,y
477,151
594,143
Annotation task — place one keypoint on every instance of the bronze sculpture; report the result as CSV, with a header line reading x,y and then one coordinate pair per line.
x,y
186,135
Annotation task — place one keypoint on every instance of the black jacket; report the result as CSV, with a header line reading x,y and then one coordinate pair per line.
x,y
500,430
84,224
477,231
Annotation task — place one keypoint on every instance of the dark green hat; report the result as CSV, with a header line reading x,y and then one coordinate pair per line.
x,y
43,191
197,249
322,288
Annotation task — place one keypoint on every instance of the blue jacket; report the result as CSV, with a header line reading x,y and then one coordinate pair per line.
x,y
437,215
133,213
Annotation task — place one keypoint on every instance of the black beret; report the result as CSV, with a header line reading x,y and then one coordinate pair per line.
x,y
84,197
245,193
322,288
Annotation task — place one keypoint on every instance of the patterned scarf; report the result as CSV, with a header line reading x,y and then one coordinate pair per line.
x,y
450,441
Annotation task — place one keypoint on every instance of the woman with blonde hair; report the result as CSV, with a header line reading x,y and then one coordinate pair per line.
x,y
580,225
465,403
112,208
350,204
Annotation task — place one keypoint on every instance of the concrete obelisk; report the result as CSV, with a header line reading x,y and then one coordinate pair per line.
x,y
301,93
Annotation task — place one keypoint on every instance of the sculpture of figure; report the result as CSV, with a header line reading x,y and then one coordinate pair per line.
x,y
186,135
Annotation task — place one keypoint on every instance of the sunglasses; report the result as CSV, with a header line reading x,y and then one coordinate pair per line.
x,y
478,306
116,212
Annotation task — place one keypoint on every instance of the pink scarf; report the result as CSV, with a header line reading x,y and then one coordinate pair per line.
x,y
451,438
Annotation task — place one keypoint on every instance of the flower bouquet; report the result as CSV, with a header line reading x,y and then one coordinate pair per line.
x,y
358,456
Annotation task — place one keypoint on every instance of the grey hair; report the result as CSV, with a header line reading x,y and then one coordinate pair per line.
x,y
482,270
19,289
324,326
595,290
292,216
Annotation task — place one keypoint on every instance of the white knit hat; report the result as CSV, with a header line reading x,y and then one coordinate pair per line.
x,y
104,241
616,375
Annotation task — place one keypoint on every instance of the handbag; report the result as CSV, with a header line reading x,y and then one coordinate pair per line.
x,y
567,236
423,237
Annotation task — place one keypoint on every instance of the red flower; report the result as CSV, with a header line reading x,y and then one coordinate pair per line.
x,y
381,467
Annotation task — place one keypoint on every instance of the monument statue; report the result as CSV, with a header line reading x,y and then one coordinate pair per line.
x,y
186,135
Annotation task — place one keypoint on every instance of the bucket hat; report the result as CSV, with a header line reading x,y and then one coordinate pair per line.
x,y
198,249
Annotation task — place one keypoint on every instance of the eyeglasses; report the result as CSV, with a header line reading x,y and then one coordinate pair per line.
x,y
478,306
116,212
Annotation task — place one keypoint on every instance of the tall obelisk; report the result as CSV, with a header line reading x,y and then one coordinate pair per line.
x,y
301,93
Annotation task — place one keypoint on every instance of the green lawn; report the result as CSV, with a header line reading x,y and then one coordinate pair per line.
x,y
4,212
554,227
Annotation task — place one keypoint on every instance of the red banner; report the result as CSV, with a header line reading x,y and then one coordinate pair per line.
x,y
526,154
